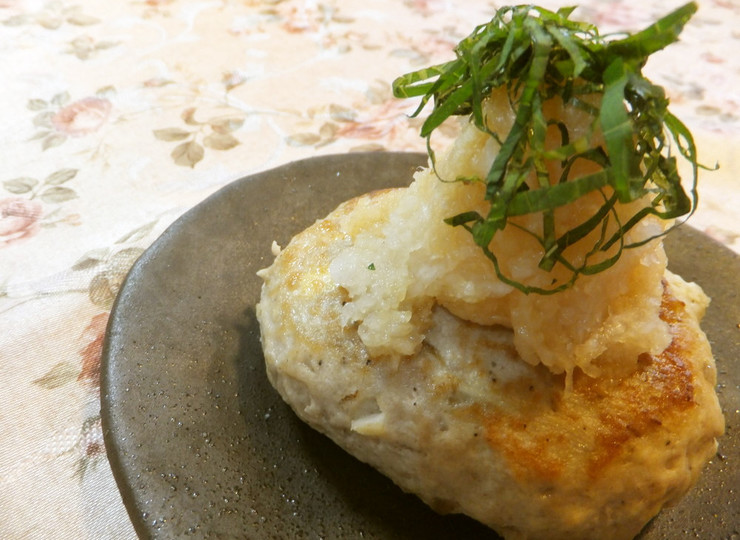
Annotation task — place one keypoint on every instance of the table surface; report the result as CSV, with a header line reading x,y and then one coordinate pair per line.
x,y
119,117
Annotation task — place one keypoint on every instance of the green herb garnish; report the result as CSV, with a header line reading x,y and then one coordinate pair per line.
x,y
535,55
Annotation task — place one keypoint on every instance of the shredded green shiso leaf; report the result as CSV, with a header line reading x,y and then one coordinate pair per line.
x,y
536,54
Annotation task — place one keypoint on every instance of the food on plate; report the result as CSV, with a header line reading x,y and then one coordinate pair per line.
x,y
502,337
470,427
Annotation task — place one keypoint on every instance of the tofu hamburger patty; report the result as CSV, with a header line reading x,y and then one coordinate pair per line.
x,y
468,426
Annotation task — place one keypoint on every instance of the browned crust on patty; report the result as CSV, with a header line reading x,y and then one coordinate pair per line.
x,y
601,417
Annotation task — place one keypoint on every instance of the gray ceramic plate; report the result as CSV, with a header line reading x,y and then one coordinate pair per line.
x,y
201,445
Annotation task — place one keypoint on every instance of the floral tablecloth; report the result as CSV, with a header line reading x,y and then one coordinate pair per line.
x,y
119,116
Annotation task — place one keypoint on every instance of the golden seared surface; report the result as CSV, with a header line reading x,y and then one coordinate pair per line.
x,y
467,425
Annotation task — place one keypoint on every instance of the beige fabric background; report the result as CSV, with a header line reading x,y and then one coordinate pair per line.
x,y
119,116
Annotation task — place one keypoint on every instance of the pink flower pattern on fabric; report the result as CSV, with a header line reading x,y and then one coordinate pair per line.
x,y
82,117
90,353
19,219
